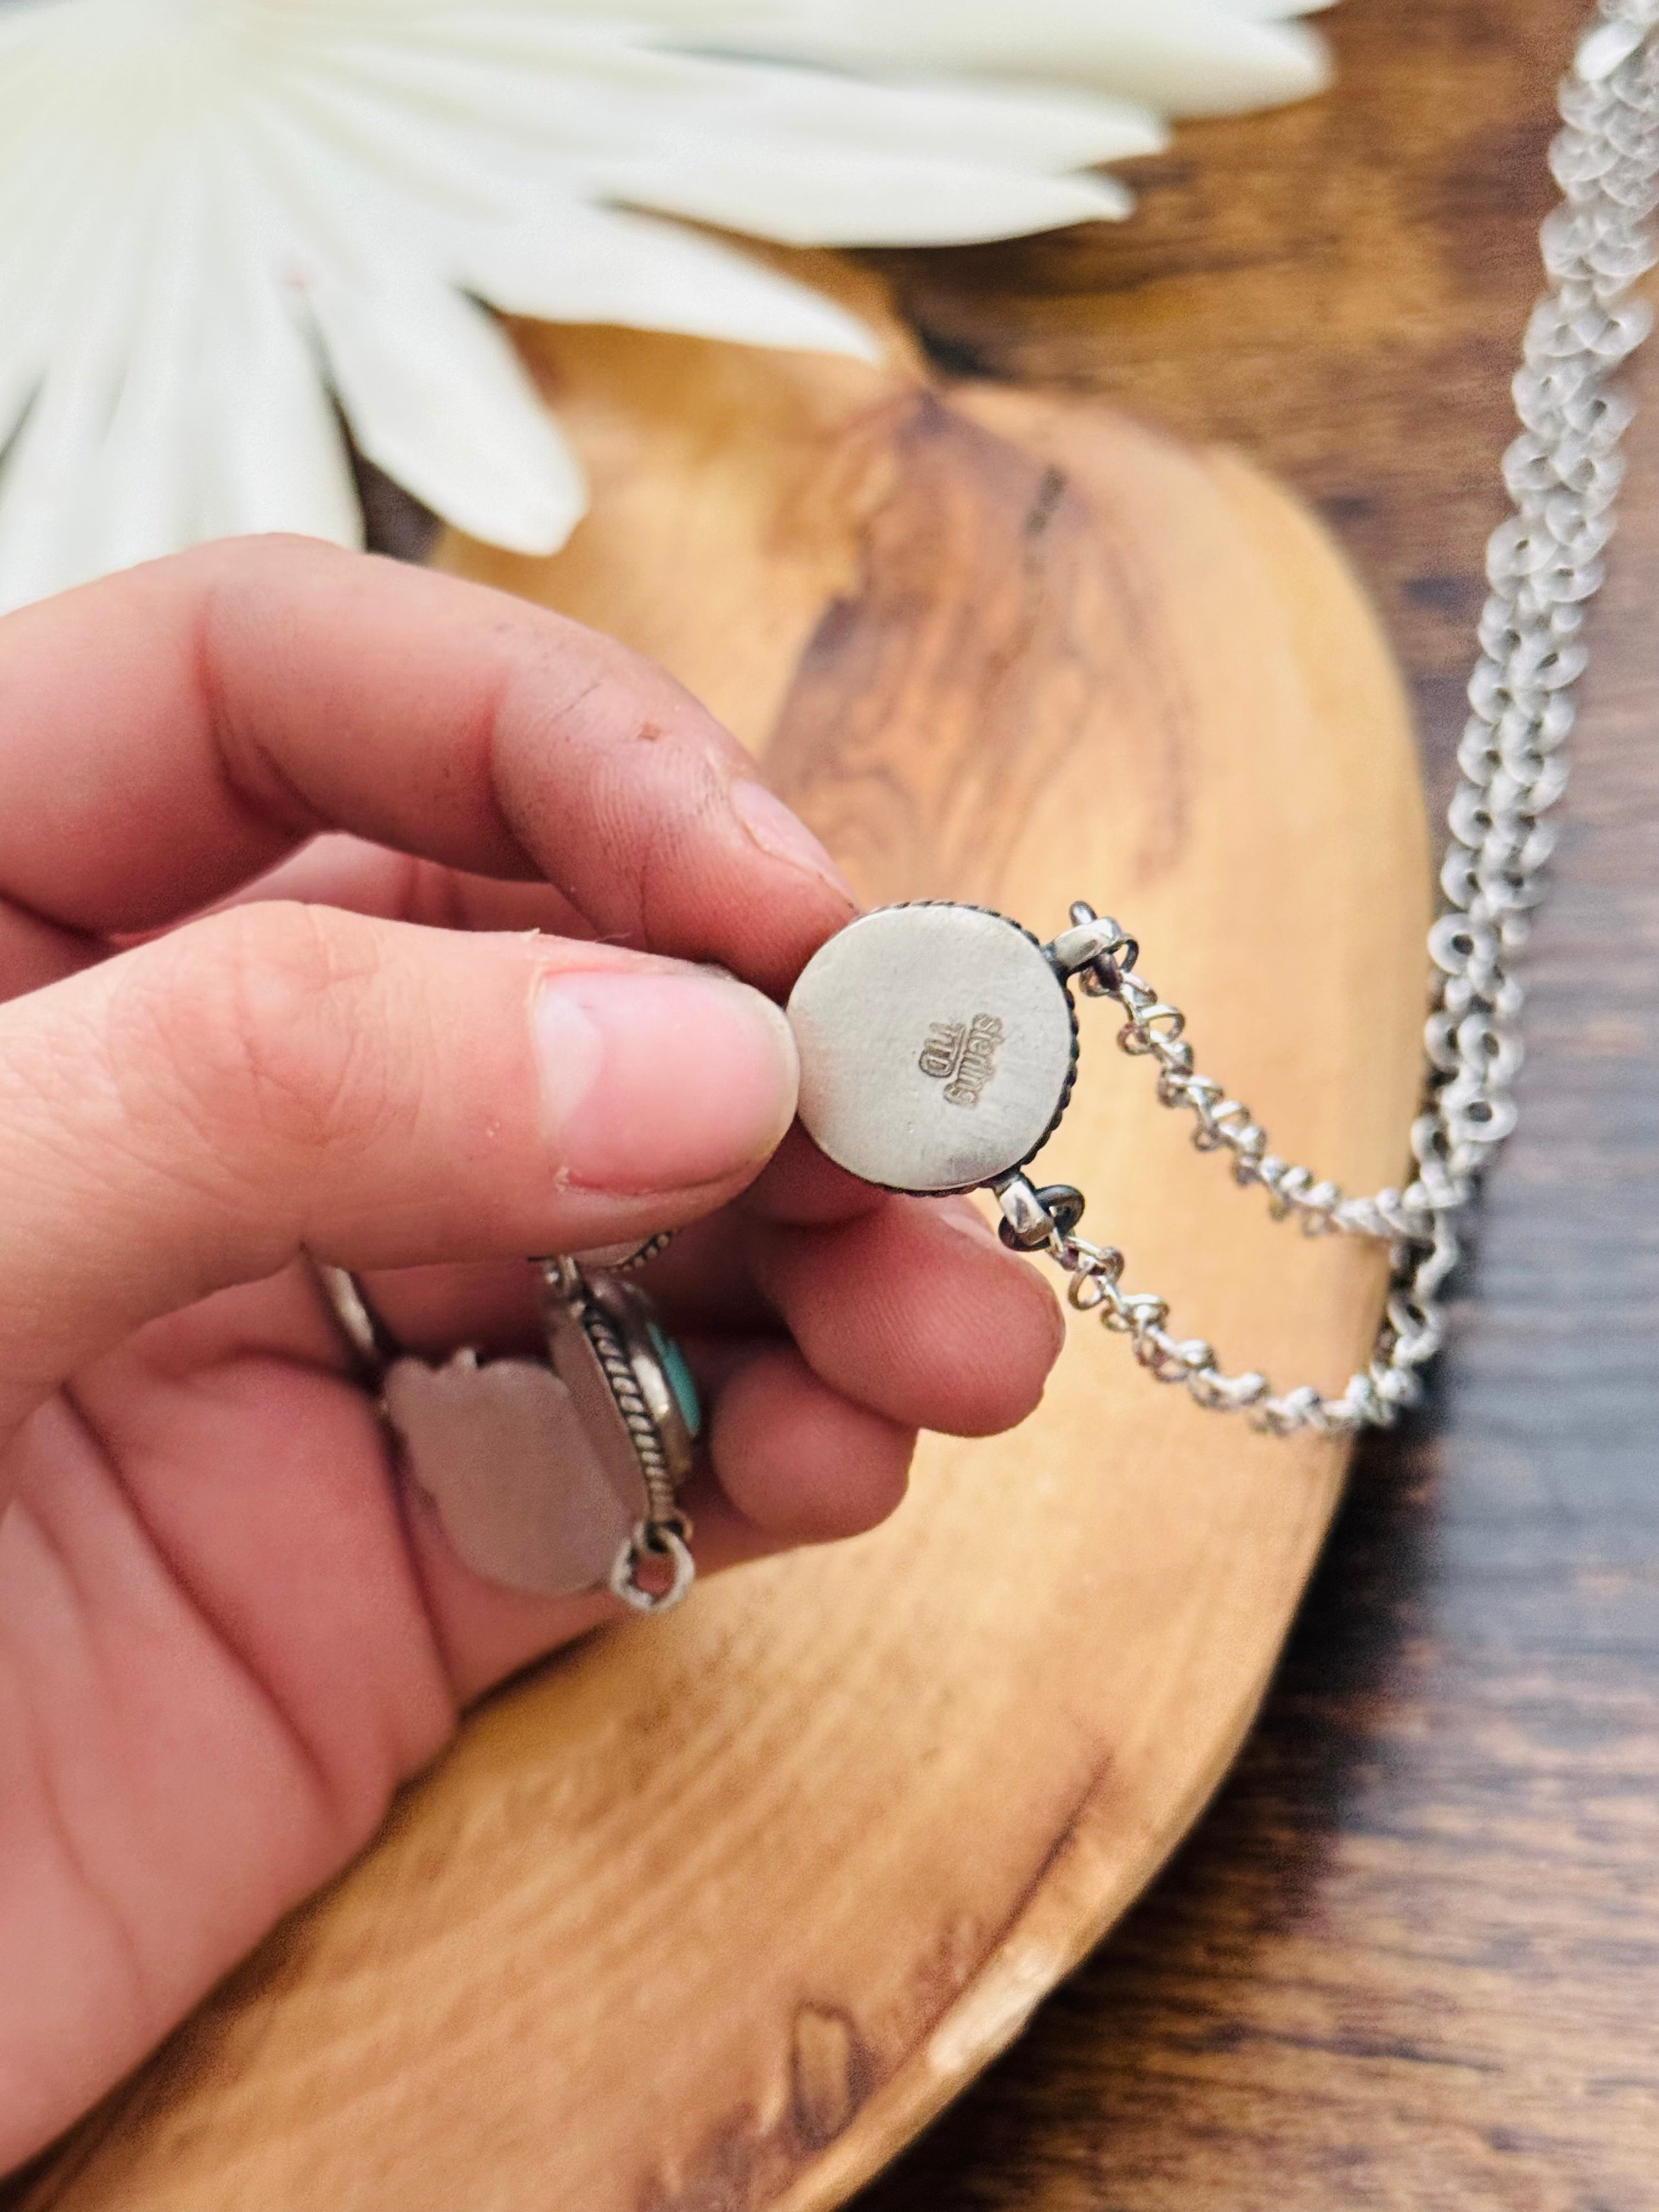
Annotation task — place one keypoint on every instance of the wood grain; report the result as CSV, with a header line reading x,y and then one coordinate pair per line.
x,y
712,1916
1411,1959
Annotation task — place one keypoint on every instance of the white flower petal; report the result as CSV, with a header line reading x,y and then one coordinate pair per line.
x,y
61,266
628,97
193,191
98,245
557,257
273,454
47,525
818,197
26,35
436,397
139,499
576,263
1184,56
49,460
811,165
26,279
432,390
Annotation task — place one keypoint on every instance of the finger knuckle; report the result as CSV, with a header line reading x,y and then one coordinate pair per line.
x,y
653,763
262,1026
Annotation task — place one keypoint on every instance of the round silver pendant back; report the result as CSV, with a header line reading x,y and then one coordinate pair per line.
x,y
937,1048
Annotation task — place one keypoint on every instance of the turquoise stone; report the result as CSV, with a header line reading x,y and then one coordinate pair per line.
x,y
679,1378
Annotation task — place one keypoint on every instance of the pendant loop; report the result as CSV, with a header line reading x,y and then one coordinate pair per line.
x,y
655,1543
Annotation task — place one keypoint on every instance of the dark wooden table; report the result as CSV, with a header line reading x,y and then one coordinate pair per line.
x,y
1411,1957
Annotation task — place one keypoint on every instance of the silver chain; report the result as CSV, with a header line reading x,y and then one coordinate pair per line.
x,y
1544,565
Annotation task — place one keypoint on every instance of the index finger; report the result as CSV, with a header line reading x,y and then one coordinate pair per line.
x,y
172,731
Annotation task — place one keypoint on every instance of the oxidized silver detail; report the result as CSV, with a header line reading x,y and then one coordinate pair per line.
x,y
1033,1219
599,1344
937,1048
626,1259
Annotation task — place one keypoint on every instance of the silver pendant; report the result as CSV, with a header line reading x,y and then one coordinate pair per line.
x,y
552,1476
638,1405
939,1046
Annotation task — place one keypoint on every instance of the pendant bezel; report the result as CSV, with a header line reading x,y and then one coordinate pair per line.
x,y
969,1000
603,1342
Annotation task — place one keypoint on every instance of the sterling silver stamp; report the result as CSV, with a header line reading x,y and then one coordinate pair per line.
x,y
937,1048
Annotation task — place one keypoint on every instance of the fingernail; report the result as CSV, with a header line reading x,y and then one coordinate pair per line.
x,y
663,1081
782,835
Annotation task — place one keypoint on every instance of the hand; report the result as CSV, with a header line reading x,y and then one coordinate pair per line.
x,y
225,1636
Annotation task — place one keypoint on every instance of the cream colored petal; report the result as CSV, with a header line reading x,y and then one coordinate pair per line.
x,y
992,126
434,392
547,253
32,30
436,397
76,260
1184,56
45,467
23,362
48,518
829,198
273,455
435,140
582,264
419,107
141,496
133,445
812,158
801,157
36,222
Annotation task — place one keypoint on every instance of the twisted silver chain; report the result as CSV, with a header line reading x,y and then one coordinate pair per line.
x,y
1544,565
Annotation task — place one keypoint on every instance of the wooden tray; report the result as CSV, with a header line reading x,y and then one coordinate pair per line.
x,y
713,1915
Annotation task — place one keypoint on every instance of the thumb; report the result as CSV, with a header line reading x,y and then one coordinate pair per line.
x,y
192,1114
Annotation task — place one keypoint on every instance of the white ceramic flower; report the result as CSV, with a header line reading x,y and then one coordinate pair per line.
x,y
219,219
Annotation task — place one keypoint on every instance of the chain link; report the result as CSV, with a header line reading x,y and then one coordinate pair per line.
x,y
1544,565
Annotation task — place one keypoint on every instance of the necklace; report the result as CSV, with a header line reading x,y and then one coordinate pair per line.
x,y
980,992
939,1042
